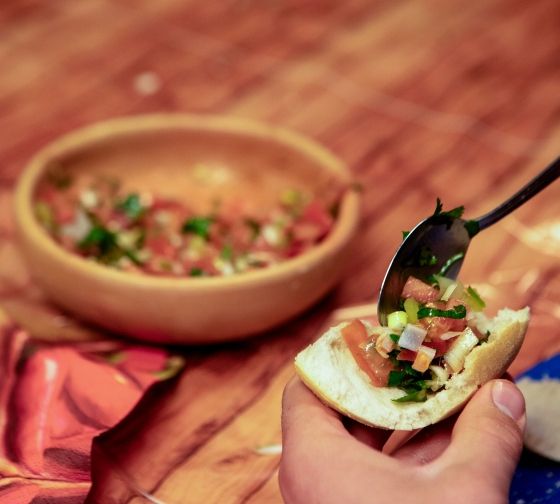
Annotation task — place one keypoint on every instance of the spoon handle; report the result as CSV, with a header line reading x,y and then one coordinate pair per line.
x,y
535,186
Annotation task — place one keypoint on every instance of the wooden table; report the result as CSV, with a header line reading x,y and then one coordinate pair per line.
x,y
459,100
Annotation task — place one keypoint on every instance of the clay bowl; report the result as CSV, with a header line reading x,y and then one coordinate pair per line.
x,y
160,153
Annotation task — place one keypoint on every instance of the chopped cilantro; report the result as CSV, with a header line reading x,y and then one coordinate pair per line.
x,y
196,272
454,213
472,228
99,237
103,245
405,234
394,337
439,207
458,312
426,258
131,206
199,226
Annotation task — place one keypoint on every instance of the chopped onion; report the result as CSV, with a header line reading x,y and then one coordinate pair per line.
x,y
423,359
439,377
79,228
412,337
450,334
384,344
460,348
448,292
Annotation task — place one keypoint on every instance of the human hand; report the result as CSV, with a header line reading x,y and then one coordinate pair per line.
x,y
470,458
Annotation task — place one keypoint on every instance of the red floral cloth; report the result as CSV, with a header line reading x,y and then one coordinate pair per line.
x,y
53,400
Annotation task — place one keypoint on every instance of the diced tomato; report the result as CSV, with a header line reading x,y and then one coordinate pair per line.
x,y
436,326
406,355
440,346
315,213
160,246
371,363
422,292
456,324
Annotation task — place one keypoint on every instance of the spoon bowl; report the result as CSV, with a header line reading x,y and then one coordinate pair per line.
x,y
438,244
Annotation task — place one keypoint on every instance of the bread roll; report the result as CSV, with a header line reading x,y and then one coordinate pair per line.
x,y
328,368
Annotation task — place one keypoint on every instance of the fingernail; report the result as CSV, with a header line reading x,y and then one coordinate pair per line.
x,y
509,400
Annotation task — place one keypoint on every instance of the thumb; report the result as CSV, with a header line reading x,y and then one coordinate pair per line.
x,y
488,435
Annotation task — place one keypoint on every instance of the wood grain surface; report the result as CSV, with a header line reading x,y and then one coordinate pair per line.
x,y
454,99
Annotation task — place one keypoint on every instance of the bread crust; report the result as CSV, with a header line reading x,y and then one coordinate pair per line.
x,y
328,368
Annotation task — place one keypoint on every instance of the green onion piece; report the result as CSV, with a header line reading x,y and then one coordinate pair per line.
x,y
405,234
196,272
458,312
199,226
472,297
131,206
411,308
450,262
397,320
413,396
394,337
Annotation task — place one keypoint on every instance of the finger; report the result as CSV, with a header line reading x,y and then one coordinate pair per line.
x,y
374,438
488,435
428,444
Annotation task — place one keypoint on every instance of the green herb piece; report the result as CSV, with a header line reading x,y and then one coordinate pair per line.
x,y
395,378
291,198
100,238
472,228
196,272
45,215
394,337
473,299
227,252
59,177
413,396
173,365
458,312
104,246
450,262
131,206
454,213
254,226
426,258
405,234
199,226
114,357
439,207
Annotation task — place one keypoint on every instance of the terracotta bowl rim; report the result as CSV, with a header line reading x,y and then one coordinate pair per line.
x,y
342,231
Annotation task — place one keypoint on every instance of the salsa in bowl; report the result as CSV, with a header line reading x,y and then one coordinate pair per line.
x,y
188,229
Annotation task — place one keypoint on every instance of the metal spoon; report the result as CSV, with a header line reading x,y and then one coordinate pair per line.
x,y
447,239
